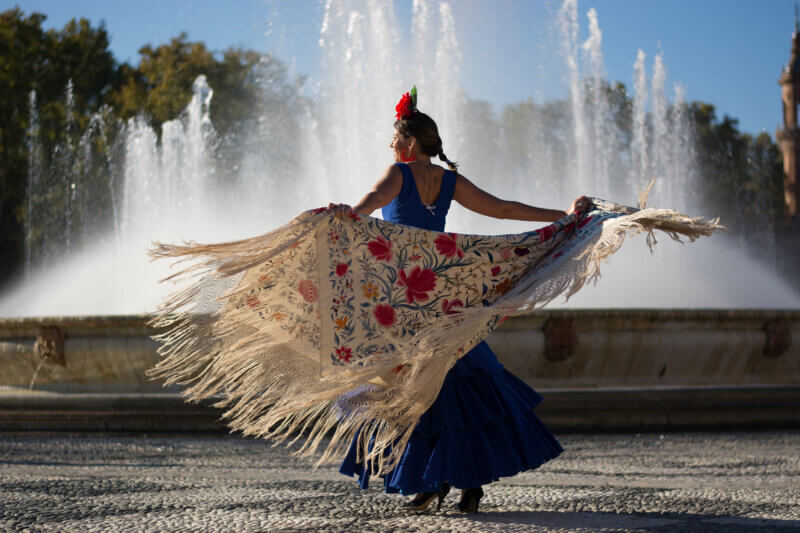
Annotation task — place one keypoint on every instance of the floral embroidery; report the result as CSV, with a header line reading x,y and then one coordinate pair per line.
x,y
384,314
448,305
386,279
370,290
447,246
546,232
344,354
252,300
417,283
381,249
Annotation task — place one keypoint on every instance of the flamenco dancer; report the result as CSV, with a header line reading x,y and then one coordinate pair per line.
x,y
275,330
482,425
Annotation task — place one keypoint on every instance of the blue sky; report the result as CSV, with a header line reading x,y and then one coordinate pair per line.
x,y
727,52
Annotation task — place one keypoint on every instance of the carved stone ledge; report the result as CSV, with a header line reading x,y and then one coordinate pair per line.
x,y
560,338
778,339
50,345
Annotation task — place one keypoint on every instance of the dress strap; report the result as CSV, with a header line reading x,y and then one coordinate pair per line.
x,y
408,181
448,189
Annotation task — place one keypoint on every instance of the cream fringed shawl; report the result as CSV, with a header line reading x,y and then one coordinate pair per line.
x,y
343,326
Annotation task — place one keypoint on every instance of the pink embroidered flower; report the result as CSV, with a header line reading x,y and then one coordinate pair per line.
x,y
308,291
447,245
252,300
341,269
414,257
417,283
448,305
381,249
495,270
505,254
546,232
344,354
352,214
385,315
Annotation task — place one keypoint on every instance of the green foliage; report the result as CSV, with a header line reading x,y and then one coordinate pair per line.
x,y
21,53
245,83
742,175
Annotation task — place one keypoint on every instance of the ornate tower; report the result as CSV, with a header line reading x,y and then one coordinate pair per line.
x,y
789,136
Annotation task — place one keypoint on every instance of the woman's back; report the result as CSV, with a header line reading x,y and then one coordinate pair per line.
x,y
408,208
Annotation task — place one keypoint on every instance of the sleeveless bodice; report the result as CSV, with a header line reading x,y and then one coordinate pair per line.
x,y
407,208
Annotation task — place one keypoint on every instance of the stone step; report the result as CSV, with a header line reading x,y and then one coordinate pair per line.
x,y
563,410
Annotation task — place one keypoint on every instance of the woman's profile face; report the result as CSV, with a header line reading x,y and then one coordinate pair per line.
x,y
399,143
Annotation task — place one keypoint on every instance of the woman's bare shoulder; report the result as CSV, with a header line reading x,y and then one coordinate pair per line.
x,y
392,172
462,179
392,178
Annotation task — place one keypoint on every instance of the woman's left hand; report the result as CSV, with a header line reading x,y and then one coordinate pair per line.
x,y
340,210
580,205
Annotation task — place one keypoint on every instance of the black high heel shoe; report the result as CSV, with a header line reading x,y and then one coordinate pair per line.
x,y
470,499
422,500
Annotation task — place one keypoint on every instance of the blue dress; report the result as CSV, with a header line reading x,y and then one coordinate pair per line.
x,y
481,426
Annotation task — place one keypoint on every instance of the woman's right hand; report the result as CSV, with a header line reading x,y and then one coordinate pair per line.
x,y
340,210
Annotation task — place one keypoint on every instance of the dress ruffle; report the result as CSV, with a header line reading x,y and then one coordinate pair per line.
x,y
480,428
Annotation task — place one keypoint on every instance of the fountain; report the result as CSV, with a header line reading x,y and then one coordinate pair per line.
x,y
169,188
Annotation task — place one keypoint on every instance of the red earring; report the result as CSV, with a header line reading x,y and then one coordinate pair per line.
x,y
407,158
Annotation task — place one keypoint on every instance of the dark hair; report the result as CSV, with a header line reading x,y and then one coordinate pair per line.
x,y
424,130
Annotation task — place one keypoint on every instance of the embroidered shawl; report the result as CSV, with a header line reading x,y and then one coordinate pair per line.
x,y
336,327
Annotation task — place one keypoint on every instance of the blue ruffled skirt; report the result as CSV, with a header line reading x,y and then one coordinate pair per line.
x,y
480,428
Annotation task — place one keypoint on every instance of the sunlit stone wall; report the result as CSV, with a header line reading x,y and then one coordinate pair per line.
x,y
547,349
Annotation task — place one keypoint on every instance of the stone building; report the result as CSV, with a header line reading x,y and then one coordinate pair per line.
x,y
789,136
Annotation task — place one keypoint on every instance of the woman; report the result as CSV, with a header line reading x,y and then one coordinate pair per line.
x,y
481,426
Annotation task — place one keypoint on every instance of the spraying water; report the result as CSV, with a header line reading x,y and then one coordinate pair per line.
x,y
167,189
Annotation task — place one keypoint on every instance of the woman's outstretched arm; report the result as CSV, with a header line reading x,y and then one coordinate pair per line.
x,y
476,199
385,190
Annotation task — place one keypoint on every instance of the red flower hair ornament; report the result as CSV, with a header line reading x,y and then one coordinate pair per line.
x,y
407,104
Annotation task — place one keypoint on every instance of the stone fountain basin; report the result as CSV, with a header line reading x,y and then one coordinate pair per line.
x,y
581,349
598,370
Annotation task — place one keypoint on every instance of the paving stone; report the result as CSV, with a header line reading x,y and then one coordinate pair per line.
x,y
729,481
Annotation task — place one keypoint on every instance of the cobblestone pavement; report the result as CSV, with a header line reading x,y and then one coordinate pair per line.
x,y
648,482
